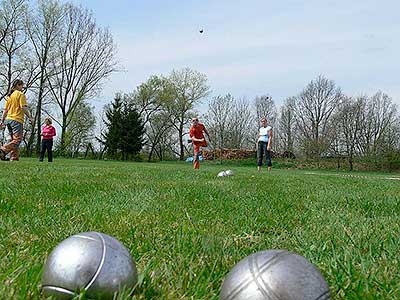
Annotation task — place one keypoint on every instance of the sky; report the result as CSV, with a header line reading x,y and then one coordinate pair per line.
x,y
252,48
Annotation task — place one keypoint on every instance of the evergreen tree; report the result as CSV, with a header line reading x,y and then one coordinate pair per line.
x,y
113,122
131,141
124,129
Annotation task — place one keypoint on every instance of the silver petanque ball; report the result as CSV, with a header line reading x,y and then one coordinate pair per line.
x,y
221,174
92,262
229,173
274,275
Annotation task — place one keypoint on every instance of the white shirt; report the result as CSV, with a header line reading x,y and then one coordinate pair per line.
x,y
264,134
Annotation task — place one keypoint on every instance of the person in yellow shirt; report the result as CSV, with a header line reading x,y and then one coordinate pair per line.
x,y
14,112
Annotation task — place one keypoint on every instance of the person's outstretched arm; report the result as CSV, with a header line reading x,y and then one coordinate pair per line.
x,y
27,113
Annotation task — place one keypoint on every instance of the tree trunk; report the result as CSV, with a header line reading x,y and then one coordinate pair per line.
x,y
63,132
182,148
150,154
39,114
351,161
29,146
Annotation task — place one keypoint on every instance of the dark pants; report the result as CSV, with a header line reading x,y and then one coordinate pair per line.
x,y
46,145
261,151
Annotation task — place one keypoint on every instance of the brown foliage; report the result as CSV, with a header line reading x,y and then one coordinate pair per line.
x,y
229,154
241,154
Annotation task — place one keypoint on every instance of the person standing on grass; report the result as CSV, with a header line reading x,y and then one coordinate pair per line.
x,y
197,136
264,145
14,112
48,132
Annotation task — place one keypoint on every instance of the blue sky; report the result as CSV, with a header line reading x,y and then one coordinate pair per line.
x,y
252,48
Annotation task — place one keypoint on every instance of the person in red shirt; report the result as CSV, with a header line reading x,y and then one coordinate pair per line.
x,y
197,136
48,132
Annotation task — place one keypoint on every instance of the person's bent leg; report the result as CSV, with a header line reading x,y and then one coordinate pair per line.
x,y
196,150
7,147
14,154
14,151
16,129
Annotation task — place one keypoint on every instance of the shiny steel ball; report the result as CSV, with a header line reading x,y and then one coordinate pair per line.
x,y
274,275
228,173
92,262
225,173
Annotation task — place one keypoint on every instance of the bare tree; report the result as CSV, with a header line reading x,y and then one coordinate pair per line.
x,y
166,149
241,133
287,126
218,118
43,27
393,136
157,131
5,21
349,121
149,99
12,41
380,116
265,108
80,130
188,88
313,110
85,57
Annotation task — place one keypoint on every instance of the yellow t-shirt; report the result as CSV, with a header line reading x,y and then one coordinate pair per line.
x,y
14,105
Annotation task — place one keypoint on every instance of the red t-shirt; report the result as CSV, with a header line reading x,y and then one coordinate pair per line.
x,y
197,131
48,132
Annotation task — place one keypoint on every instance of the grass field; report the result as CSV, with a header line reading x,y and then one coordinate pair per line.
x,y
187,229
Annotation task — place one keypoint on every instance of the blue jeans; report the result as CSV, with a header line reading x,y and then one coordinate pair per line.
x,y
261,151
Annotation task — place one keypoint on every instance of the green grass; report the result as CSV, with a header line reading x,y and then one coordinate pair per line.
x,y
186,229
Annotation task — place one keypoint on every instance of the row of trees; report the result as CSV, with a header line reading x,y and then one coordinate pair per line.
x,y
318,122
63,58
321,121
165,105
327,123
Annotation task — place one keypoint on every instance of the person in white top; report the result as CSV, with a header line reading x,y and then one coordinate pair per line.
x,y
264,145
